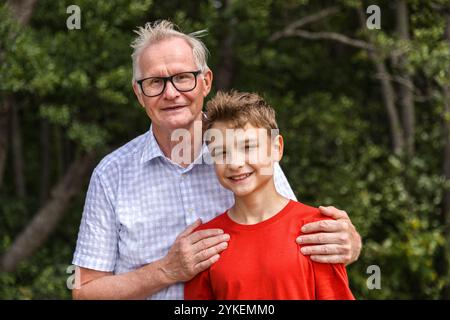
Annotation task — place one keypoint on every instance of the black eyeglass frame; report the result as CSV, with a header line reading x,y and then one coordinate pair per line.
x,y
165,79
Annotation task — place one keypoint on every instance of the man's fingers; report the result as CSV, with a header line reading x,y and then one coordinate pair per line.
x,y
325,249
327,238
206,243
325,226
205,258
203,234
201,266
329,259
208,253
333,212
190,228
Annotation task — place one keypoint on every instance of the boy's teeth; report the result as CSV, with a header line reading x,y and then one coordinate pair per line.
x,y
242,176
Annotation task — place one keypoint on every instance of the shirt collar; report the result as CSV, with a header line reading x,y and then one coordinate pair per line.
x,y
151,147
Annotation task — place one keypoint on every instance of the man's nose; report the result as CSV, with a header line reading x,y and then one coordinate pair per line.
x,y
170,92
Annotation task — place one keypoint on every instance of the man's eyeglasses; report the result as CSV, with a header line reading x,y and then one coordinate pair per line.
x,y
183,82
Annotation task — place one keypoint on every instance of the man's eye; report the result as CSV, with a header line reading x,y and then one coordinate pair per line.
x,y
154,82
182,77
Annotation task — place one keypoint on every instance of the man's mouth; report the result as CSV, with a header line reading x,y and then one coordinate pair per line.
x,y
173,108
240,177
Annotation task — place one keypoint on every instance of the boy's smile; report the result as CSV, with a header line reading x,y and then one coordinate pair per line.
x,y
240,177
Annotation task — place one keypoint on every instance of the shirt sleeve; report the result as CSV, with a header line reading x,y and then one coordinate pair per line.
x,y
199,287
331,282
282,184
98,234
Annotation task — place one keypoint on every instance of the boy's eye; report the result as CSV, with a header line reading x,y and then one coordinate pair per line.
x,y
250,147
219,154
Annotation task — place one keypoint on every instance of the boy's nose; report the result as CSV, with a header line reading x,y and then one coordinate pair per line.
x,y
237,161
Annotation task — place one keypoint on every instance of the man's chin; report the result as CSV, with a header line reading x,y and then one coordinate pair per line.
x,y
178,123
181,122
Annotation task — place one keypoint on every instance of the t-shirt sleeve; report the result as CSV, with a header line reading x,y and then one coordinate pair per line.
x,y
331,282
282,184
199,287
98,234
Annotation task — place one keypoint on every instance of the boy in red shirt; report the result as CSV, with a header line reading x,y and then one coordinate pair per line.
x,y
262,260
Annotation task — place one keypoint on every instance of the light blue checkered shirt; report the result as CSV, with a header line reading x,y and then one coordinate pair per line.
x,y
137,203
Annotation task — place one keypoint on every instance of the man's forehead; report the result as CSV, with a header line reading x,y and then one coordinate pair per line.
x,y
167,56
169,46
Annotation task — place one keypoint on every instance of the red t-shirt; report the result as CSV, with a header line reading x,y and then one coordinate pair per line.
x,y
264,262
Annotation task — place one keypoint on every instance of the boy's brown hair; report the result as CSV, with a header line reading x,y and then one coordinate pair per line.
x,y
240,108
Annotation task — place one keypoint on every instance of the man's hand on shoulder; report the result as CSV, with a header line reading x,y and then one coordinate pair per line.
x,y
331,241
193,252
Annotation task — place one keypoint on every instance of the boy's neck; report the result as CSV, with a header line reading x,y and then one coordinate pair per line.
x,y
260,205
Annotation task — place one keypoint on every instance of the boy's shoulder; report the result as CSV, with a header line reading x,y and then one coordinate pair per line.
x,y
217,222
307,213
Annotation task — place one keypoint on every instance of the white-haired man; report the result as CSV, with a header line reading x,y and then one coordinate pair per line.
x,y
136,238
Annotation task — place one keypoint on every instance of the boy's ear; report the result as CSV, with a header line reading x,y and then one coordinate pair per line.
x,y
278,148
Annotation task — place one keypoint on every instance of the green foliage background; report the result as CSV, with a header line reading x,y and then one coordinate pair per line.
x,y
328,104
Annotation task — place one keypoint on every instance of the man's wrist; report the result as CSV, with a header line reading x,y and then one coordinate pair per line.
x,y
164,273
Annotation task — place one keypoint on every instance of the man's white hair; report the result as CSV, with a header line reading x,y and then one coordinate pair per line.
x,y
157,31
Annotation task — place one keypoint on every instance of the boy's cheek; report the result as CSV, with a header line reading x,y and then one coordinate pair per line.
x,y
266,170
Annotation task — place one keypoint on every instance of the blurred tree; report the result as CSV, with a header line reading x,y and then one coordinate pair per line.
x,y
358,114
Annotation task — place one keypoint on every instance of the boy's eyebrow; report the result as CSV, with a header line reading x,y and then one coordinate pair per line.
x,y
248,140
217,149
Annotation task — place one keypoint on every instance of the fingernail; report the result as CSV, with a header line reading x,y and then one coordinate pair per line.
x,y
303,229
226,237
304,250
299,240
220,231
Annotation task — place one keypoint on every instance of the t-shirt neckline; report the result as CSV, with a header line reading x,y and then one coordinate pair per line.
x,y
261,224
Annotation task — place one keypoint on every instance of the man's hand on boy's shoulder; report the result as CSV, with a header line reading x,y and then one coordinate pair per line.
x,y
192,252
332,241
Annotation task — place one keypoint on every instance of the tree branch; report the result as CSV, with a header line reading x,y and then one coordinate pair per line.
x,y
47,218
303,21
22,9
329,36
397,79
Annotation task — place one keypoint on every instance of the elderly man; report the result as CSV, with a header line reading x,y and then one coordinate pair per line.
x,y
136,238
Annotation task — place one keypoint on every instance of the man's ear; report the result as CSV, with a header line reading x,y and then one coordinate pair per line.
x,y
278,148
207,82
138,93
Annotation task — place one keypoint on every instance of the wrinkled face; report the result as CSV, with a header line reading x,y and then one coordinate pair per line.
x,y
244,158
172,109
